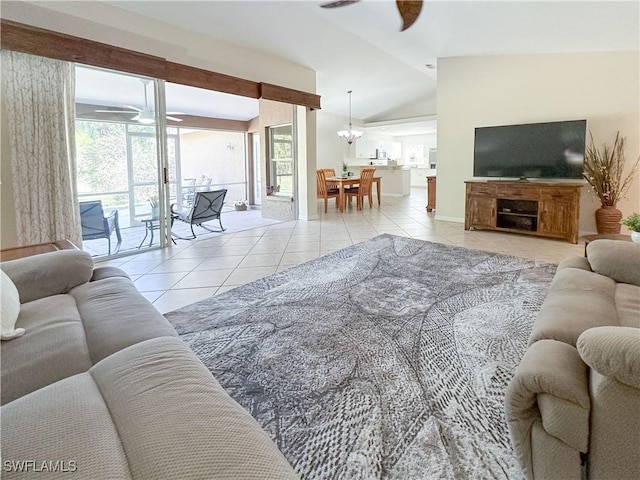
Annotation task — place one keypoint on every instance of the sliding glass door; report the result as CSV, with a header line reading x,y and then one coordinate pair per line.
x,y
119,162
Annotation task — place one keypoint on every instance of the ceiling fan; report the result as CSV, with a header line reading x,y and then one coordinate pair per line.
x,y
409,9
144,115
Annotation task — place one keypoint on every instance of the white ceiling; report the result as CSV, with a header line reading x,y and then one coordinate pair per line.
x,y
359,47
103,87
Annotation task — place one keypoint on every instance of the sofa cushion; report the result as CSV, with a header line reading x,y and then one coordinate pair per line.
x,y
616,259
628,305
9,308
67,421
115,315
67,334
577,300
49,274
152,410
54,347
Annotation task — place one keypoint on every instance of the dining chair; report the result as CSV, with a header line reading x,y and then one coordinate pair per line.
x,y
363,189
330,172
324,191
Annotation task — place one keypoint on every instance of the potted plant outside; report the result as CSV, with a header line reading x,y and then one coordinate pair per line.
x,y
241,205
155,207
604,171
632,222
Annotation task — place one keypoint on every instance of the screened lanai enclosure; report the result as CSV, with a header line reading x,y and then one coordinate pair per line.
x,y
122,160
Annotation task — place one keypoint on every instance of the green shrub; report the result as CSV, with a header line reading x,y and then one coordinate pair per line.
x,y
632,221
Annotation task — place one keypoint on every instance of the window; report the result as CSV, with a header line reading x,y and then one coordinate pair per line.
x,y
414,154
281,158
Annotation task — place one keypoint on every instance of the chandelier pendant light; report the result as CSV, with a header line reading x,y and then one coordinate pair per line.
x,y
350,135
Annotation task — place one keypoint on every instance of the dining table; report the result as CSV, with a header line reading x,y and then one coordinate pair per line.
x,y
349,181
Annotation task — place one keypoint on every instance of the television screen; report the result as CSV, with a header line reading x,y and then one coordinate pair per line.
x,y
536,150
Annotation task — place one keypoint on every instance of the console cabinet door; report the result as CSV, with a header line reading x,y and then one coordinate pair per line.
x,y
555,218
481,212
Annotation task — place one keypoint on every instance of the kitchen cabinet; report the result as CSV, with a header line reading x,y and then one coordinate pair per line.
x,y
366,148
393,150
371,148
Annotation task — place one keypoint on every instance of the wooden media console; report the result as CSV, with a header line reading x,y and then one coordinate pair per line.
x,y
542,209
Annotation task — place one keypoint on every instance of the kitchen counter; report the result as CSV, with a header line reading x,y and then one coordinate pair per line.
x,y
419,175
394,179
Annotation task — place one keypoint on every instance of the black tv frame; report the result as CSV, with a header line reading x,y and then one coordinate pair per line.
x,y
529,135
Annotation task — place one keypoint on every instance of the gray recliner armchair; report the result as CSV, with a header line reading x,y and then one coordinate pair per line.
x,y
573,405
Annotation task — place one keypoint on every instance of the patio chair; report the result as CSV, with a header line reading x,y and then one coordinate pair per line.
x,y
206,206
95,225
188,190
204,185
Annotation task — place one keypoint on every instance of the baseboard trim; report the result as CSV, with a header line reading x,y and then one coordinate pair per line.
x,y
445,218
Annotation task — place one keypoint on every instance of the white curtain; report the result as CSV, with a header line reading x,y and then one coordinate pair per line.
x,y
39,98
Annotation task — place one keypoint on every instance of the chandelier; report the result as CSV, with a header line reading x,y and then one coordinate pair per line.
x,y
350,135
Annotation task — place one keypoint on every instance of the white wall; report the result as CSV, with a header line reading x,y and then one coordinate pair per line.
x,y
603,88
105,23
331,150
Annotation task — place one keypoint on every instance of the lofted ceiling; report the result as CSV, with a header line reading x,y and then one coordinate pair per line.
x,y
360,47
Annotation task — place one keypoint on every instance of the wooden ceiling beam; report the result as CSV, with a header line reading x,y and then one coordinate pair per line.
x,y
46,43
197,77
288,95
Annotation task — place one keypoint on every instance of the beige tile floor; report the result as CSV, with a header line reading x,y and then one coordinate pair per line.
x,y
194,270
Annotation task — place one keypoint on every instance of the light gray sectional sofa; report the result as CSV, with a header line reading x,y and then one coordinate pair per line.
x,y
99,384
573,406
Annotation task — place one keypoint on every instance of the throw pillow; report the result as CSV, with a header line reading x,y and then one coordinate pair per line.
x,y
9,308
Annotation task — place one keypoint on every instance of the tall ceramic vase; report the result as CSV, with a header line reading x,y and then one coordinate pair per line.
x,y
608,219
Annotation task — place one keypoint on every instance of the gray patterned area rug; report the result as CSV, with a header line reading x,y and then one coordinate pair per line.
x,y
387,359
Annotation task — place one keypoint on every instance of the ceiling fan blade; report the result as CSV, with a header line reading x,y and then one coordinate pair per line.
x,y
115,111
338,3
409,11
174,119
175,113
133,108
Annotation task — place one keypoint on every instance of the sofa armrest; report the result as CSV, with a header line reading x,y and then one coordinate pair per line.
x,y
100,273
575,262
613,352
49,274
550,387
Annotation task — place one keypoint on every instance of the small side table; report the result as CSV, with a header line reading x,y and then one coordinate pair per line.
x,y
150,224
604,236
27,251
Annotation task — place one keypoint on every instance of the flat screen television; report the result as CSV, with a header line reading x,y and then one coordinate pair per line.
x,y
534,150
